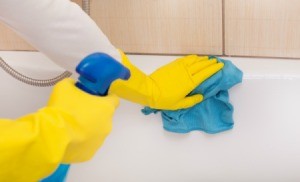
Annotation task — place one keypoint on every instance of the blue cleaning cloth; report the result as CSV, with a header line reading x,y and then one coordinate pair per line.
x,y
59,175
214,114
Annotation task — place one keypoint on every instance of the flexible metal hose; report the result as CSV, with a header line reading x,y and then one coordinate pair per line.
x,y
32,81
36,82
86,6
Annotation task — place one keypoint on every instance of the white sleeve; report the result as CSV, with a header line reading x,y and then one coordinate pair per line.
x,y
58,28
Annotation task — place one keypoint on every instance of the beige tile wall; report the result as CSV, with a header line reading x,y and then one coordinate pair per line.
x,y
262,28
251,27
161,26
9,40
151,26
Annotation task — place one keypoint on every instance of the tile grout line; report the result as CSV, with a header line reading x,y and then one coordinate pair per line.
x,y
223,27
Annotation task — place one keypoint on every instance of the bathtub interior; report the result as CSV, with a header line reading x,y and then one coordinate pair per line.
x,y
19,98
264,144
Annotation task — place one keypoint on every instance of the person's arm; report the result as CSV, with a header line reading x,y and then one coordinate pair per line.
x,y
58,28
64,33
167,87
69,129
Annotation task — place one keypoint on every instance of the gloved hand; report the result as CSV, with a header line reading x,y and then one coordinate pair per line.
x,y
90,116
70,129
167,88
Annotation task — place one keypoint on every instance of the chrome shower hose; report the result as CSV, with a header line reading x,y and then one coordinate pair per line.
x,y
37,82
31,81
86,6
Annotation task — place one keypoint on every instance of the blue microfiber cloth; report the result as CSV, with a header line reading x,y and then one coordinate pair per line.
x,y
59,175
214,114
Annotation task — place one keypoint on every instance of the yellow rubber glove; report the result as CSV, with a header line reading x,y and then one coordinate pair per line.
x,y
168,87
70,129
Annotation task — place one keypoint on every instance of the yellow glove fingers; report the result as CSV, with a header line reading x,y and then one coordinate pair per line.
x,y
199,66
167,87
191,59
206,73
188,60
203,58
188,102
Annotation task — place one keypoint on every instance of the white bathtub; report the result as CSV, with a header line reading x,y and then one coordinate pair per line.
x,y
264,144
